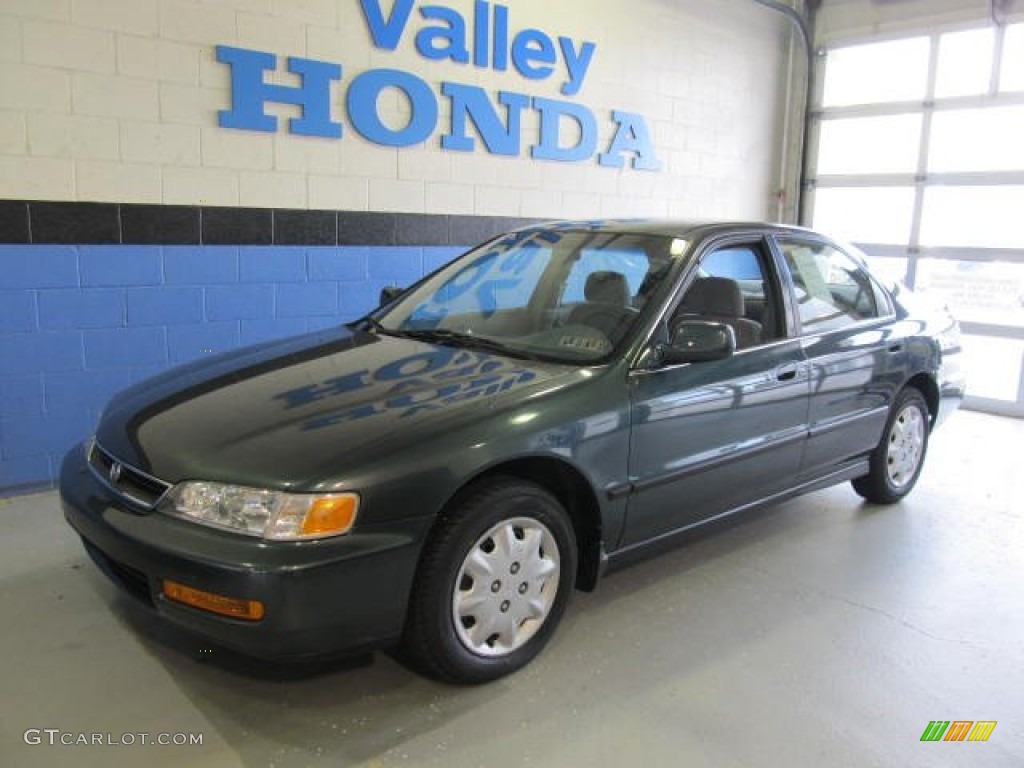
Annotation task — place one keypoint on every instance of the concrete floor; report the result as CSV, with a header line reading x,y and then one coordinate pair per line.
x,y
822,632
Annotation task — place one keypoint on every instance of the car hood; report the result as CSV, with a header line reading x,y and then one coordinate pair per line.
x,y
287,414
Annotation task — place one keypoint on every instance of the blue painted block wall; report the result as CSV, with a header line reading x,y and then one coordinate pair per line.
x,y
80,322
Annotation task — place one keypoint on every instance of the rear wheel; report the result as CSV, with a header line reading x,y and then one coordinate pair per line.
x,y
493,583
897,460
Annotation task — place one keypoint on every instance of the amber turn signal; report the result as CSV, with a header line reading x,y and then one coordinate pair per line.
x,y
235,607
330,514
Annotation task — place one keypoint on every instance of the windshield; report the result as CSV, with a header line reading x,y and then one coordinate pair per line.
x,y
564,295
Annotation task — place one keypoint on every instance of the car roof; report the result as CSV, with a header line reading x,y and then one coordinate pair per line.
x,y
668,227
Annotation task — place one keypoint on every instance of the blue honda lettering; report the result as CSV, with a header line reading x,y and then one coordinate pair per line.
x,y
362,107
576,64
445,42
249,93
631,136
473,103
533,54
386,33
551,114
568,132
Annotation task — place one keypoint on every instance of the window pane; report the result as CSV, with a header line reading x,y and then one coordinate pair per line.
x,y
733,263
1011,76
993,366
633,265
983,217
513,278
862,74
831,290
865,214
981,292
870,145
731,289
965,63
977,140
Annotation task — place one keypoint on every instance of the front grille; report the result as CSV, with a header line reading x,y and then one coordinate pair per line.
x,y
133,581
132,484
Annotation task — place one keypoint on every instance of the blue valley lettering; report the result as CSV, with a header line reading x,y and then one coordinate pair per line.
x,y
487,42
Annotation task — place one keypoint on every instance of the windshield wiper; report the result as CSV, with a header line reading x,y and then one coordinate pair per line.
x,y
445,336
454,338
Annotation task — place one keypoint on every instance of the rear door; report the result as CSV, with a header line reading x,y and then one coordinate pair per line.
x,y
708,437
855,361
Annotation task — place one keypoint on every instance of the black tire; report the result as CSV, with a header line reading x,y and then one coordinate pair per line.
x,y
897,460
443,638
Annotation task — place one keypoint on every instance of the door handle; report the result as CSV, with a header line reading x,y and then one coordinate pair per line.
x,y
787,372
895,348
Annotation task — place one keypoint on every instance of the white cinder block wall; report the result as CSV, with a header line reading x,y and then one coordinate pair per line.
x,y
117,100
249,236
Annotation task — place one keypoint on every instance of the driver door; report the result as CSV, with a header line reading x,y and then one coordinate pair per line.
x,y
713,436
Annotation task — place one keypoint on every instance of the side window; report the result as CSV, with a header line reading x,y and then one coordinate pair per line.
x,y
733,287
832,291
737,263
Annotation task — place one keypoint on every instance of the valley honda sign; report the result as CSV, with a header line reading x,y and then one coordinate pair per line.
x,y
485,41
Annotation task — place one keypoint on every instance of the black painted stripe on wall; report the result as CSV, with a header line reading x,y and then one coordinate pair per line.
x,y
38,221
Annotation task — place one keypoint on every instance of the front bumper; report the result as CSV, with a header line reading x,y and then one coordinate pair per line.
x,y
335,595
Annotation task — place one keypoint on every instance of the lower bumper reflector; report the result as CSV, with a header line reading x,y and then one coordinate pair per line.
x,y
235,607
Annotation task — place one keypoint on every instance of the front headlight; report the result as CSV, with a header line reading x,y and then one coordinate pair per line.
x,y
260,512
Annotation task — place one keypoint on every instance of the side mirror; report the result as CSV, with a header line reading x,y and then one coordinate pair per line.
x,y
389,293
698,341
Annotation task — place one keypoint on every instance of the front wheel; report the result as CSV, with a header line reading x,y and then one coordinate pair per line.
x,y
493,583
897,460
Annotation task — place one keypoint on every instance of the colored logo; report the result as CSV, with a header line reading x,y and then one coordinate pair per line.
x,y
569,131
958,730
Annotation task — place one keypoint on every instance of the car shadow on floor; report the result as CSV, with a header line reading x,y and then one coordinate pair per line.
x,y
360,709
352,709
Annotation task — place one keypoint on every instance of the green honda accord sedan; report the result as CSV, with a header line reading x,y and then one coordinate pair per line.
x,y
443,473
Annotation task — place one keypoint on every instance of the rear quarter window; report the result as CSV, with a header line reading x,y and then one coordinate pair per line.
x,y
832,290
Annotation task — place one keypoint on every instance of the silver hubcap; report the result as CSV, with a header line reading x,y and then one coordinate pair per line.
x,y
906,444
506,587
